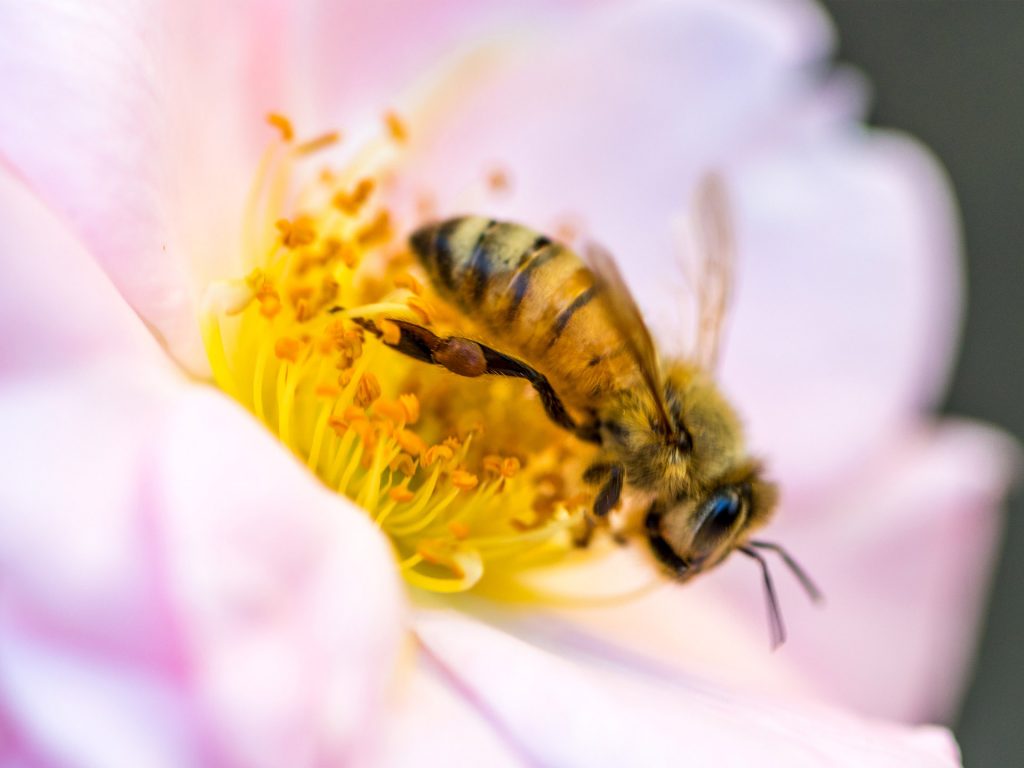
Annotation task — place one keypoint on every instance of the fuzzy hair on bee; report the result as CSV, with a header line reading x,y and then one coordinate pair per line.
x,y
568,325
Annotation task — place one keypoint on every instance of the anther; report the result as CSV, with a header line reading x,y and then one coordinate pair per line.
x,y
283,124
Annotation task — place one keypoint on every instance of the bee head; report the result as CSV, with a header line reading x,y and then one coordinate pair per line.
x,y
689,535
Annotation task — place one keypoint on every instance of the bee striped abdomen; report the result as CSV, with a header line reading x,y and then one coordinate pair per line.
x,y
533,296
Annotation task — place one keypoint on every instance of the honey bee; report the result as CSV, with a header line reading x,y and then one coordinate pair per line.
x,y
570,327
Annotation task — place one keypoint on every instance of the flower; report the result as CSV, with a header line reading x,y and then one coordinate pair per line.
x,y
177,589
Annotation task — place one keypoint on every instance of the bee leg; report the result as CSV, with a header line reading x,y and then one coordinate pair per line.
x,y
466,357
503,365
610,492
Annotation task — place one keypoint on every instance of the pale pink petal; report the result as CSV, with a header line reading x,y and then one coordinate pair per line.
x,y
430,723
58,307
560,710
289,600
166,566
141,125
610,121
846,315
904,552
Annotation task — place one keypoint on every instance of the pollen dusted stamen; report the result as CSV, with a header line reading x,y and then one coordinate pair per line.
x,y
464,484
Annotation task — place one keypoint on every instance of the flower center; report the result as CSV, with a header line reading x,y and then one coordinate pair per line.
x,y
464,492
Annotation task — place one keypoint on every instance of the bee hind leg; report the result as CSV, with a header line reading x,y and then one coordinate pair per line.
x,y
466,357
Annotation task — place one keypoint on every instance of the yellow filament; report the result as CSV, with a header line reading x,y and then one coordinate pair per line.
x,y
450,469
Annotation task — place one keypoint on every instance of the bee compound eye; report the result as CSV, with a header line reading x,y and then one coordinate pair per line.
x,y
724,508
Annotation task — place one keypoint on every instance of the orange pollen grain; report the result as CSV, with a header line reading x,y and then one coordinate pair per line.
x,y
396,127
295,234
377,231
317,143
389,409
287,348
405,464
437,453
351,202
458,529
401,493
270,305
367,390
283,124
463,480
327,390
354,413
510,467
498,180
410,442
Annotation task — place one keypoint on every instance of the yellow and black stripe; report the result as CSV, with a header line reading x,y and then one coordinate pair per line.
x,y
534,297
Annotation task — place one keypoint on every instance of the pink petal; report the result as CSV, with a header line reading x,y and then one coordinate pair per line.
x,y
610,119
558,710
429,723
289,599
847,308
904,553
162,557
141,125
58,307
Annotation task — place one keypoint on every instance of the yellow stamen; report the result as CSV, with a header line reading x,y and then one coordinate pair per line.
x,y
463,480
317,143
468,478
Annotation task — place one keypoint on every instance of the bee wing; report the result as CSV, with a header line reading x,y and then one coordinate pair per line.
x,y
629,322
716,255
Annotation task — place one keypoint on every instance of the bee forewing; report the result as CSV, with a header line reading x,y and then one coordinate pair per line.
x,y
629,321
715,251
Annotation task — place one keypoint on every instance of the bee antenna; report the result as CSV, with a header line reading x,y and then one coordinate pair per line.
x,y
776,627
805,581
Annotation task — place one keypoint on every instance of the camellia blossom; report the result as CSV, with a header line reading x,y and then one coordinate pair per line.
x,y
235,529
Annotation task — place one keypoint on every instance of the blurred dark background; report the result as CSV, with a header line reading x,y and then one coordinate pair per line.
x,y
952,73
